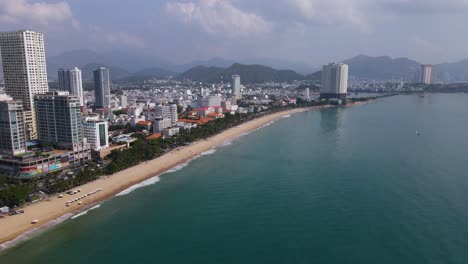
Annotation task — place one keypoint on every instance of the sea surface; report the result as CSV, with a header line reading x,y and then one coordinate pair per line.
x,y
338,185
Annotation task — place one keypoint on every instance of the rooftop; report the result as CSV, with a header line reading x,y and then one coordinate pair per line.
x,y
144,123
154,136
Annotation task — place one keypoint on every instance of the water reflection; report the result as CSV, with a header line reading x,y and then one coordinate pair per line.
x,y
332,123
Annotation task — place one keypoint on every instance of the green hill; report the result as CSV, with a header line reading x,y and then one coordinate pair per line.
x,y
248,73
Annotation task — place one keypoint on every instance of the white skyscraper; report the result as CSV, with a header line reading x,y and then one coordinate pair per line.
x,y
123,101
167,112
70,80
24,71
307,93
334,81
236,87
425,75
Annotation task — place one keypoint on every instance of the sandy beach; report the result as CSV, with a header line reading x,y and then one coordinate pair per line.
x,y
53,208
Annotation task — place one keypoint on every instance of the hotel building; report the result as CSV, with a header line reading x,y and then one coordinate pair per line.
x,y
334,81
24,71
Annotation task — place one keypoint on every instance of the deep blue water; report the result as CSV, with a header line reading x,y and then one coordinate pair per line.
x,y
339,185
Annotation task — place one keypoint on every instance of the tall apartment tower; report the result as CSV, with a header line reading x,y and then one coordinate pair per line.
x,y
425,75
307,93
174,114
334,81
24,71
123,101
236,87
59,120
12,129
168,112
102,86
71,81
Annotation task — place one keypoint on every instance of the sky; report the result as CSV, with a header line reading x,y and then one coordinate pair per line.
x,y
310,31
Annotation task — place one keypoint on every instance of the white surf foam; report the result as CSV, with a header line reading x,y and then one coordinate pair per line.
x,y
286,116
185,164
156,179
208,152
85,212
142,184
177,168
226,143
34,232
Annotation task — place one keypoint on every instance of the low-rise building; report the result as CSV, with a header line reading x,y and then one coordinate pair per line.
x,y
146,124
35,165
187,126
170,132
203,111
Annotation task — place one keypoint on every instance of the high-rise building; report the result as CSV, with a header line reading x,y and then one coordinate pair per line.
x,y
59,120
167,112
161,123
209,100
307,93
123,101
236,87
174,114
24,71
96,134
334,81
102,86
425,75
12,129
70,80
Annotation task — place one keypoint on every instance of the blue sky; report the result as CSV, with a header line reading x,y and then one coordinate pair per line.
x,y
310,31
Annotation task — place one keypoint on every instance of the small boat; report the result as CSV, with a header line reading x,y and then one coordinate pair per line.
x,y
35,221
417,133
60,196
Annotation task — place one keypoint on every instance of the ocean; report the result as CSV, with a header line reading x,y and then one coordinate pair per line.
x,y
337,185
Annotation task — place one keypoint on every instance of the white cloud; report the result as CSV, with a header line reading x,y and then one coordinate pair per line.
x,y
425,6
329,12
219,17
116,38
25,11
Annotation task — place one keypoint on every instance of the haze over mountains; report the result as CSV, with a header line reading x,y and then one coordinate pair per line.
x,y
149,65
124,65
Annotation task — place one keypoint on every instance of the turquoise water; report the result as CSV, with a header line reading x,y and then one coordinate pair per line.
x,y
348,185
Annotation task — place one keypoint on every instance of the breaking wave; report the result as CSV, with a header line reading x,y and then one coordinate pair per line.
x,y
142,184
34,232
85,212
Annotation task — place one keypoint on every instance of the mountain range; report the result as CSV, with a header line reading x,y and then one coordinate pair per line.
x,y
248,73
148,65
124,65
382,68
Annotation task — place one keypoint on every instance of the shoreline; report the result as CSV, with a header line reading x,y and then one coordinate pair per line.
x,y
52,211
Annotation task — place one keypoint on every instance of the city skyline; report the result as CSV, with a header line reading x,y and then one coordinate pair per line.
x,y
286,30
